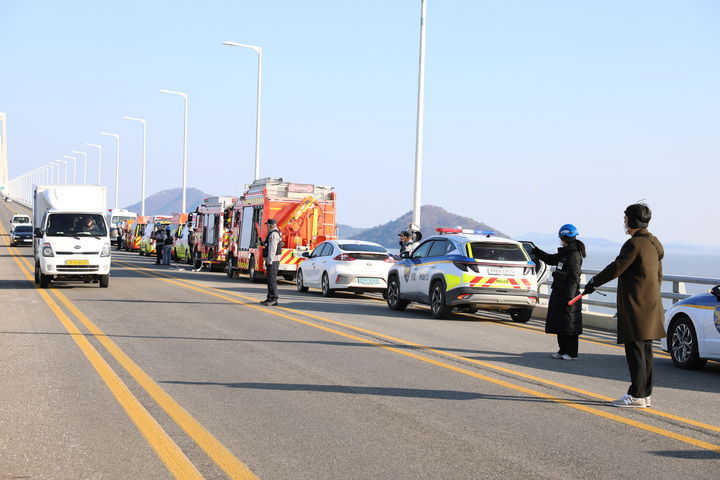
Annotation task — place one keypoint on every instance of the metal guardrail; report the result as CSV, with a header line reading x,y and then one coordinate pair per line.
x,y
679,288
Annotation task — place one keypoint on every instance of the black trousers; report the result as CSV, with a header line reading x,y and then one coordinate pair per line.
x,y
639,356
272,272
568,344
158,254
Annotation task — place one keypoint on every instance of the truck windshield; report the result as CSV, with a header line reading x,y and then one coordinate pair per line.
x,y
21,220
120,219
75,224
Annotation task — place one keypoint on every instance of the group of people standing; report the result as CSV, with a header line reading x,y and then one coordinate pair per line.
x,y
638,269
163,244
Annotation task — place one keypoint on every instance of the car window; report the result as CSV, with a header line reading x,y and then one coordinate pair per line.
x,y
438,248
318,250
328,250
451,247
422,250
497,251
361,247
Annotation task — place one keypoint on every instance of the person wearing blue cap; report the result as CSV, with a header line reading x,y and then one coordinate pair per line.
x,y
565,320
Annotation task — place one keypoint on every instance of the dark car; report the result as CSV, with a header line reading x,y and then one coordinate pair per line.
x,y
21,235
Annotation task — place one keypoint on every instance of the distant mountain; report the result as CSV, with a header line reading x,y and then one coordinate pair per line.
x,y
346,231
432,217
169,201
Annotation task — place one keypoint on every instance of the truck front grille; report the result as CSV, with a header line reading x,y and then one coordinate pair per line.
x,y
78,268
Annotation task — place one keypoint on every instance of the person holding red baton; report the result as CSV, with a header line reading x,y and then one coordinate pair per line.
x,y
563,319
640,316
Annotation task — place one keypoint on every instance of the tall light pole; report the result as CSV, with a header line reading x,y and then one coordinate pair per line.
x,y
56,164
185,143
258,50
99,147
142,189
84,164
117,165
66,169
420,120
74,159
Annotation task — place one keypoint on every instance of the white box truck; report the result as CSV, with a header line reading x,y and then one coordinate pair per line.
x,y
71,237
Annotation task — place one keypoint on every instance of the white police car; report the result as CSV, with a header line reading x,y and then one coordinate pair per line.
x,y
467,270
693,330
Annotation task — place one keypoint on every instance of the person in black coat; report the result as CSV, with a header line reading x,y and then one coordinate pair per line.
x,y
563,320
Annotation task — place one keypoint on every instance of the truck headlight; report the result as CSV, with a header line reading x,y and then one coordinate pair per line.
x,y
47,250
105,251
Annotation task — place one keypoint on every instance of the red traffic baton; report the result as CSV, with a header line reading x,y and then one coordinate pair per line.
x,y
574,300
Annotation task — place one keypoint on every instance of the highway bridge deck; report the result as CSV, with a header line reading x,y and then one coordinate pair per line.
x,y
171,373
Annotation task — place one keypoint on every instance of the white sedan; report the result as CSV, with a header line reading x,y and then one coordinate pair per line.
x,y
693,330
352,265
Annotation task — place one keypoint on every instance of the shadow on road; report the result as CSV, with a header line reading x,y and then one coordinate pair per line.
x,y
381,391
688,454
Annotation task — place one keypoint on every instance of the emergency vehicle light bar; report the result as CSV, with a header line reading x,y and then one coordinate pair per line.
x,y
465,230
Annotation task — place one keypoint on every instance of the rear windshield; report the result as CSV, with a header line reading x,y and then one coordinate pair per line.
x,y
119,219
21,220
355,247
74,224
23,229
497,252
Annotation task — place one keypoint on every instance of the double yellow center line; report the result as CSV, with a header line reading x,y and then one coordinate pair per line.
x,y
167,450
286,314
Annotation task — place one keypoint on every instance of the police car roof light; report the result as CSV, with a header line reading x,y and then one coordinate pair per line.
x,y
465,230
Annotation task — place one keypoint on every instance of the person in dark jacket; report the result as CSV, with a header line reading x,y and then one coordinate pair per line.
x,y
167,247
159,236
563,320
640,313
273,253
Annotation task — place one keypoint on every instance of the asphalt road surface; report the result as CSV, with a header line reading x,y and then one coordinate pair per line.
x,y
171,373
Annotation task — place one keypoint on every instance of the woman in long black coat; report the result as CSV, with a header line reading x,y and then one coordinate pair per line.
x,y
563,320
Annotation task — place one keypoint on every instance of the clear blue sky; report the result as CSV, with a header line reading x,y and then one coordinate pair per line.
x,y
538,113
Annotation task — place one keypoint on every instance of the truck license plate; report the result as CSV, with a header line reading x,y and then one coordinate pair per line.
x,y
501,271
77,262
368,281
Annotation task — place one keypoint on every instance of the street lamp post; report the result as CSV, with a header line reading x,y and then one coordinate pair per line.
x,y
99,147
84,164
420,120
185,144
258,50
74,159
117,166
66,169
55,164
142,189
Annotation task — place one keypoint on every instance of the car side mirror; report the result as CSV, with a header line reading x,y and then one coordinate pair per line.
x,y
716,291
306,254
38,232
405,255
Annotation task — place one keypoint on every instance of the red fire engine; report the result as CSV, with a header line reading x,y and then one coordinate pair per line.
x,y
305,216
210,238
135,233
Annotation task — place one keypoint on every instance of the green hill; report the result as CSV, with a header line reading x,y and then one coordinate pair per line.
x,y
431,216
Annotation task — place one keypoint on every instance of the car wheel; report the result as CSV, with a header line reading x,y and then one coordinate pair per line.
x,y
438,307
299,282
683,344
521,315
325,285
45,280
393,296
104,281
37,273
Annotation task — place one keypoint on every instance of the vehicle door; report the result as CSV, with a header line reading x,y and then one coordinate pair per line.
x,y
311,275
712,328
325,262
541,269
419,256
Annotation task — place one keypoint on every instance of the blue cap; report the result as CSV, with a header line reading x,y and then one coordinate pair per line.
x,y
568,230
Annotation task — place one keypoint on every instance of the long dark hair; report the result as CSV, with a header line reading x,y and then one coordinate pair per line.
x,y
580,245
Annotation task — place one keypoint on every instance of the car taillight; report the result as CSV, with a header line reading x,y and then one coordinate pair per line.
x,y
344,257
464,266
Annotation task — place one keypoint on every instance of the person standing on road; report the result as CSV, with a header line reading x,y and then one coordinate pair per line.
x,y
563,320
167,247
159,237
272,254
640,315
